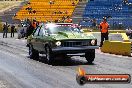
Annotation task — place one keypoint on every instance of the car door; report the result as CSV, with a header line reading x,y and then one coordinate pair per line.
x,y
35,37
44,37
41,39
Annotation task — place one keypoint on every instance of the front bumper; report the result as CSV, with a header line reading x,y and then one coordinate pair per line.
x,y
70,50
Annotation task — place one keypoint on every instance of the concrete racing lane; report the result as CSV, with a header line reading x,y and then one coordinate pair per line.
x,y
18,71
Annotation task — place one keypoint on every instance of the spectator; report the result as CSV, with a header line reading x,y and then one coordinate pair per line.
x,y
59,20
28,21
130,35
51,2
29,9
68,20
30,30
29,3
30,12
34,24
55,12
56,21
125,1
22,32
34,11
66,12
73,3
5,30
12,30
59,12
15,15
94,22
129,32
63,19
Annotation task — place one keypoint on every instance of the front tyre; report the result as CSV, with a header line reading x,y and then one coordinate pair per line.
x,y
33,54
49,55
90,55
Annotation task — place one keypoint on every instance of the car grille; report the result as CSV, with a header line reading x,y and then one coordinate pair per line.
x,y
75,43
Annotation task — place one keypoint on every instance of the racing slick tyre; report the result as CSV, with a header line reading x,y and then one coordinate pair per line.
x,y
90,55
49,55
33,54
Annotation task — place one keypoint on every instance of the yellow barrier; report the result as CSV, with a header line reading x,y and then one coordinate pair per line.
x,y
117,47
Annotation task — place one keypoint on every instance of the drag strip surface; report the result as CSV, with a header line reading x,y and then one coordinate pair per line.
x,y
18,71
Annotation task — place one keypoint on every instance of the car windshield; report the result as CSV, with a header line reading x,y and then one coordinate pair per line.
x,y
62,28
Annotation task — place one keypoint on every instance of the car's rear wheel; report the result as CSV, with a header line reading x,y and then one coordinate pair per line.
x,y
49,55
33,54
90,55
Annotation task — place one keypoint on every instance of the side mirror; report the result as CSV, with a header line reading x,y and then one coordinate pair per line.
x,y
46,33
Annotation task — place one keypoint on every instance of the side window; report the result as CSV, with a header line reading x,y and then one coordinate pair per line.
x,y
41,33
37,31
46,32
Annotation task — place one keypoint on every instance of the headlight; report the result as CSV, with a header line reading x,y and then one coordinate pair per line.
x,y
58,43
93,42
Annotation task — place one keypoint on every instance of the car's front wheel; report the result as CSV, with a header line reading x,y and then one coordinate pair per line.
x,y
33,54
49,55
90,55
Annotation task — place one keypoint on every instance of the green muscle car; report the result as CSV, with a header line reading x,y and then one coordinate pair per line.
x,y
61,39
